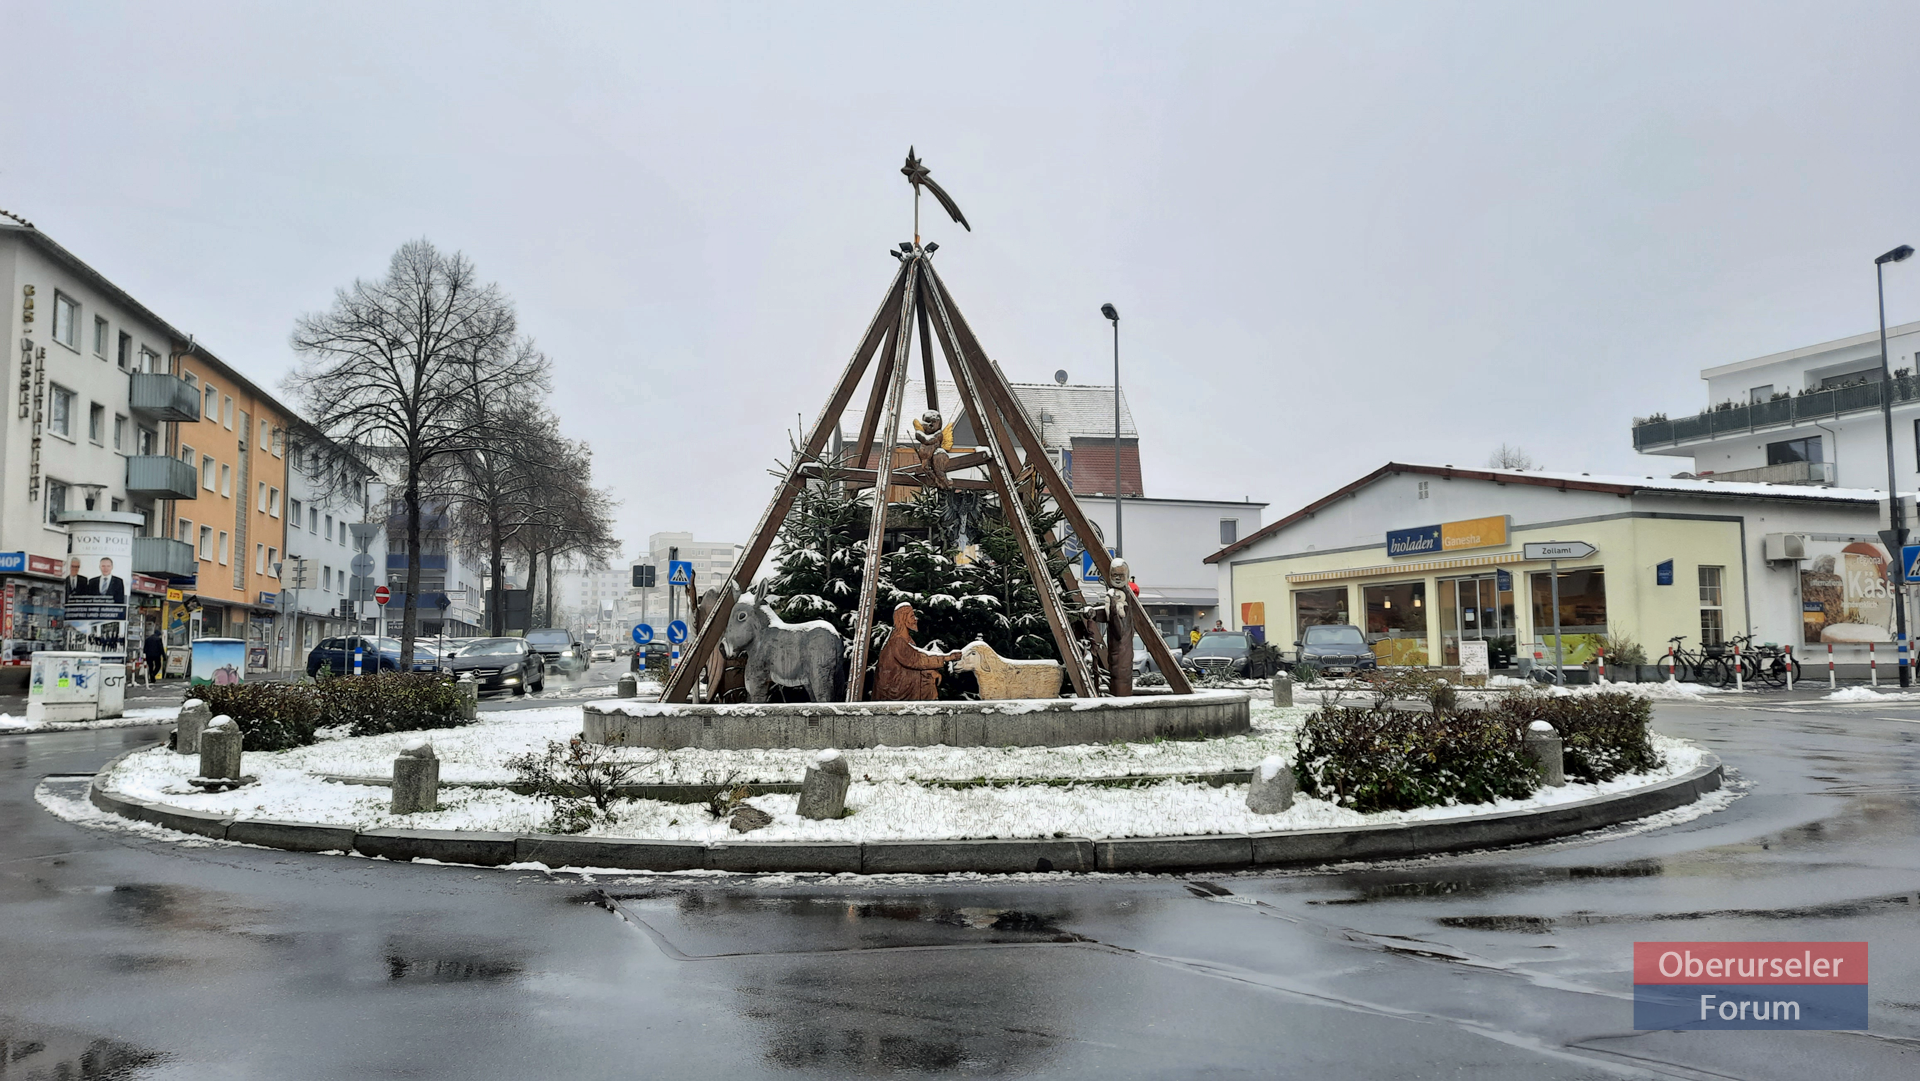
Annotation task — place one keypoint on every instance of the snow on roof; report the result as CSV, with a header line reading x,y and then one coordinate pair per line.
x,y
1057,413
1681,484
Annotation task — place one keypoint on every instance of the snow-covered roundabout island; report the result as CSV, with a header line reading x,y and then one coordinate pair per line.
x,y
1143,805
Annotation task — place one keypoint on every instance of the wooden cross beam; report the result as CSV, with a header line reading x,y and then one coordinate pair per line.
x,y
885,320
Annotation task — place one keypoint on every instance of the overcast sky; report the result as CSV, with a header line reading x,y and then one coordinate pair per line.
x,y
1337,234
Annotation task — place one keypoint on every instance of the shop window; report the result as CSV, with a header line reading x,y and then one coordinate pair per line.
x,y
1583,611
1397,622
1794,450
1713,627
1313,607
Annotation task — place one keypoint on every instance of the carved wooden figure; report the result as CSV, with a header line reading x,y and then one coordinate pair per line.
x,y
906,672
1003,678
930,446
1118,617
790,654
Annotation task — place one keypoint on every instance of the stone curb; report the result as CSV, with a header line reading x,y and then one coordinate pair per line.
x,y
1213,852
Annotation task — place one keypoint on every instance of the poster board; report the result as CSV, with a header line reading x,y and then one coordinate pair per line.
x,y
1844,597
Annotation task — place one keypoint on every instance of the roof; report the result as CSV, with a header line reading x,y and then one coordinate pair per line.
x,y
1572,482
1871,337
1056,412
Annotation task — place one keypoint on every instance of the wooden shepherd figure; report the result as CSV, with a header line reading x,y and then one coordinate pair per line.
x,y
1118,617
930,446
908,673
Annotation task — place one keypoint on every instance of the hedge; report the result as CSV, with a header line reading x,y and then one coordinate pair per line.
x,y
1602,735
277,716
271,716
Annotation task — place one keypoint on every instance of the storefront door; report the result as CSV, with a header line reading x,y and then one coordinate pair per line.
x,y
1476,609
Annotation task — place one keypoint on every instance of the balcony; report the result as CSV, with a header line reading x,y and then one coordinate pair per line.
x,y
163,557
156,476
1815,473
164,397
1652,436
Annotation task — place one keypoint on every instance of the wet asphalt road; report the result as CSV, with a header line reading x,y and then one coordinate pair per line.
x,y
127,956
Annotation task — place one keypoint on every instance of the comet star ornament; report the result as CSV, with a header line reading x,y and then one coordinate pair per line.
x,y
916,173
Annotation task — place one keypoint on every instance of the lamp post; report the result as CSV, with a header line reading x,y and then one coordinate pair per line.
x,y
1896,534
1119,531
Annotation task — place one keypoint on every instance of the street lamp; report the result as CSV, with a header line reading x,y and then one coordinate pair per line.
x,y
1896,534
1119,533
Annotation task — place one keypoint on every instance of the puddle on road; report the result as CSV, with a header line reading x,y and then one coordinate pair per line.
x,y
411,960
1036,926
1472,882
44,1051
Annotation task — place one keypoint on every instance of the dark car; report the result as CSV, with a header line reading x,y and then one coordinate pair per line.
x,y
499,664
1220,654
561,650
335,655
1337,649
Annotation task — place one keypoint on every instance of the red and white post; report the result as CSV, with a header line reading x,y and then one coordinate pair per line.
x,y
1671,667
1738,683
1873,666
1600,655
1789,652
1832,683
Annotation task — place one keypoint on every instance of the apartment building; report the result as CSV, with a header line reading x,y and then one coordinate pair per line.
x,y
328,490
91,413
712,562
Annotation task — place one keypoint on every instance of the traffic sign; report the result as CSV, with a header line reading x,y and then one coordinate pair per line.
x,y
1559,550
380,595
361,565
642,634
677,631
679,572
1910,559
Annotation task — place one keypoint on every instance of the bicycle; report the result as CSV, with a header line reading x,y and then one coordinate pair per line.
x,y
1766,662
1706,666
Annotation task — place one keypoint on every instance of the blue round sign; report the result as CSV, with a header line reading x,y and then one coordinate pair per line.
x,y
642,634
677,631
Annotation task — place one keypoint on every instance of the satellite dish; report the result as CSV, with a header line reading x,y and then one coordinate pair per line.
x,y
1060,377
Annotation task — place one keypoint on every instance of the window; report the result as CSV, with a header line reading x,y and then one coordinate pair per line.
x,y
125,353
1397,616
1856,377
1760,394
118,505
206,472
56,500
183,531
329,527
1423,490
209,410
99,337
97,422
119,432
206,541
60,415
273,502
313,521
225,548
226,413
1583,611
1229,530
1313,607
243,430
146,441
149,360
326,577
261,502
66,319
1713,628
293,512
273,562
259,559
1794,450
226,480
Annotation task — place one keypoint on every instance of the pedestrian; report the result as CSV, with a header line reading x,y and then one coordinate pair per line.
x,y
156,655
1193,639
1219,626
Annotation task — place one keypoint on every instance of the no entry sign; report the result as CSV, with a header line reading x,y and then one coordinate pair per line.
x,y
380,595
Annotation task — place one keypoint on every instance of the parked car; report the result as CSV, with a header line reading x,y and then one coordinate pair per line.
x,y
1220,654
562,652
602,653
500,664
1142,660
335,655
1335,649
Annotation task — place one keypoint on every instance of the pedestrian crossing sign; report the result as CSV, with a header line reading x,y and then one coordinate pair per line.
x,y
679,573
1910,559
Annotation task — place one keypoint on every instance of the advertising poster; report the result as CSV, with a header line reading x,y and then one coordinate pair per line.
x,y
219,661
99,581
1844,597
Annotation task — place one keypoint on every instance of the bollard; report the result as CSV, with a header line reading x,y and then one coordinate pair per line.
x,y
823,792
1832,683
220,750
416,778
1737,668
1272,789
1600,656
194,715
1671,667
1543,746
469,696
1789,650
1873,666
1283,690
628,687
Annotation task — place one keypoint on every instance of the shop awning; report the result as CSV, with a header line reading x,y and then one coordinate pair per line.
x,y
1427,567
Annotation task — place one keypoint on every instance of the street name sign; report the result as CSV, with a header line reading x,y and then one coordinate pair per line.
x,y
1559,550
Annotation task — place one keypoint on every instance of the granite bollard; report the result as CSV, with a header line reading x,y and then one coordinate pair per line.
x,y
469,696
1283,690
1272,788
194,715
1543,746
220,750
629,686
823,792
416,778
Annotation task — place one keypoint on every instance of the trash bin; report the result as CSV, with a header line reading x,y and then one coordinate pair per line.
x,y
63,687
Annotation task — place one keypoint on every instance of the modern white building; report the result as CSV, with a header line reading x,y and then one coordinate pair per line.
x,y
1805,416
712,562
328,490
1166,545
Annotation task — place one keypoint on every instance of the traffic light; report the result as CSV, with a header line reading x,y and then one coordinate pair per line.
x,y
643,576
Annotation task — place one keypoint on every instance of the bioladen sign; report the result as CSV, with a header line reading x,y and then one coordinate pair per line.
x,y
1699,985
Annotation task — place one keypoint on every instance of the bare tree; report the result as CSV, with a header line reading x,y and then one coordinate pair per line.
x,y
499,485
569,517
390,369
1514,458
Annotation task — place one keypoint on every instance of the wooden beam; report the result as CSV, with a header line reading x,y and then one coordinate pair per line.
x,y
680,685
876,400
864,477
926,351
994,383
1004,478
877,525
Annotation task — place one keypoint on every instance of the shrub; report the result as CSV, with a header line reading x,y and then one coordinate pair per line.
x,y
579,779
271,716
1388,760
1601,735
390,702
1623,650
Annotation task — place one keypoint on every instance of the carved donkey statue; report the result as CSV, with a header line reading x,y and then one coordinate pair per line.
x,y
790,654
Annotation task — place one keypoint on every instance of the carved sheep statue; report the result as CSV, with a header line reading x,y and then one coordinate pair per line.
x,y
1002,678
